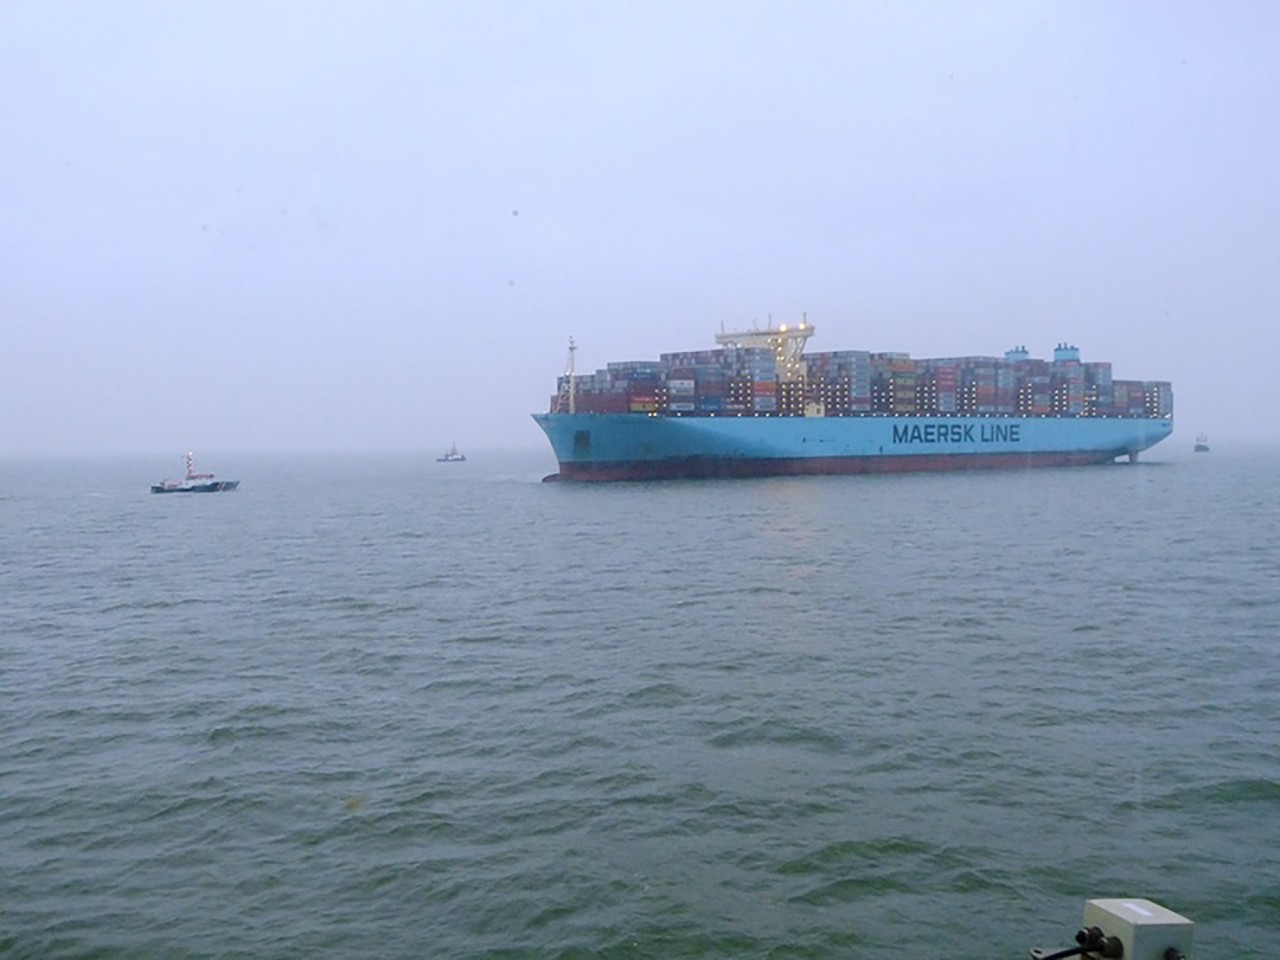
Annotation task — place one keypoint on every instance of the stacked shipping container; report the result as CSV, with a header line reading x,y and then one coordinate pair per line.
x,y
745,381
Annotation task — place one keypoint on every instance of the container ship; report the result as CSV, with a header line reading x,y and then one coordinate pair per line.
x,y
758,405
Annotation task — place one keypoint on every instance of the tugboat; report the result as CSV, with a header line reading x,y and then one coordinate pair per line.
x,y
451,456
1202,444
194,482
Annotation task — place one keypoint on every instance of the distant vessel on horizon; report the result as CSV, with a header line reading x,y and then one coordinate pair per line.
x,y
193,482
451,456
1202,443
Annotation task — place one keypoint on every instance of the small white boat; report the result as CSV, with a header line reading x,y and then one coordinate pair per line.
x,y
194,482
1202,444
451,456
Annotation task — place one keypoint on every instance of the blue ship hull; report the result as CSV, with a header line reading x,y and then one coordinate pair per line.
x,y
628,446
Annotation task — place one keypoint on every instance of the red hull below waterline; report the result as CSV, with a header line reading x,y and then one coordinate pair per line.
x,y
814,466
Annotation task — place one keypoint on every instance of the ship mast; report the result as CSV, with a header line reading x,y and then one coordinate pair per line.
x,y
568,398
573,387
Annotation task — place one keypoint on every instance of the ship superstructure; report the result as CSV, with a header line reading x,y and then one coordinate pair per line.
x,y
757,405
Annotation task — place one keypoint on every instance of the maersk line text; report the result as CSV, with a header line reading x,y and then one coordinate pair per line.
x,y
958,433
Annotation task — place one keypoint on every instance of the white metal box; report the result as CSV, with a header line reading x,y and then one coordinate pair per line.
x,y
1147,930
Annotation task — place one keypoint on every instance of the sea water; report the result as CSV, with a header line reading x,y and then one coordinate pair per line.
x,y
385,707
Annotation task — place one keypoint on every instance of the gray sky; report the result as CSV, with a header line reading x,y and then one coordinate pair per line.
x,y
242,226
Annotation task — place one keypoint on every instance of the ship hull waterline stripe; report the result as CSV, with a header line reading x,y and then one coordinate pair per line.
x,y
711,467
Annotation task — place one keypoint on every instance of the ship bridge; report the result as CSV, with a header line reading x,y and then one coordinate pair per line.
x,y
786,341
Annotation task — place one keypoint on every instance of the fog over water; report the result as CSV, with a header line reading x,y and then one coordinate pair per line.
x,y
367,227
